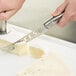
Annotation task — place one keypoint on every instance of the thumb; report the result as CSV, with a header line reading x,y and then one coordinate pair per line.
x,y
60,9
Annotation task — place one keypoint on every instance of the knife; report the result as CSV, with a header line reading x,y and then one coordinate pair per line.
x,y
34,34
41,30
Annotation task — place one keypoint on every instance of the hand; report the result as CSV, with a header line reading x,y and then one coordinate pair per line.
x,y
9,7
70,12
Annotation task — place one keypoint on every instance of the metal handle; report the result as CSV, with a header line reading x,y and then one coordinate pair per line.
x,y
3,27
54,19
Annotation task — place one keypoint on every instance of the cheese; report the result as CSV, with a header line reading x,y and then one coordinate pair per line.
x,y
36,52
23,49
20,49
47,66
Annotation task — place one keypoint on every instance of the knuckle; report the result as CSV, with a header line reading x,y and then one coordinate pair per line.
x,y
70,14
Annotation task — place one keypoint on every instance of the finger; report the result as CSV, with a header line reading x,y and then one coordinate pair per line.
x,y
60,9
6,15
73,18
2,16
64,20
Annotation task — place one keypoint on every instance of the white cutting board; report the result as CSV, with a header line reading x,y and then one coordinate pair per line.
x,y
11,64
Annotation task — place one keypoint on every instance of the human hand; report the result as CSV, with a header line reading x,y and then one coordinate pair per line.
x,y
70,12
9,7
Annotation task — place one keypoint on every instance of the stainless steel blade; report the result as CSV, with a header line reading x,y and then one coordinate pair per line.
x,y
41,30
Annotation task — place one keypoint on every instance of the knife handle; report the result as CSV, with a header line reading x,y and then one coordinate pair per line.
x,y
53,19
3,25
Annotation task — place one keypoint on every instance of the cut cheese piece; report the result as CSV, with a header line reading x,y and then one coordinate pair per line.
x,y
36,52
20,49
3,43
47,66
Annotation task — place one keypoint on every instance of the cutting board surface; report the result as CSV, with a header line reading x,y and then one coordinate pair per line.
x,y
10,64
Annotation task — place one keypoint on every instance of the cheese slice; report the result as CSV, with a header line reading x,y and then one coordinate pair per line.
x,y
20,49
3,43
23,49
47,66
35,52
